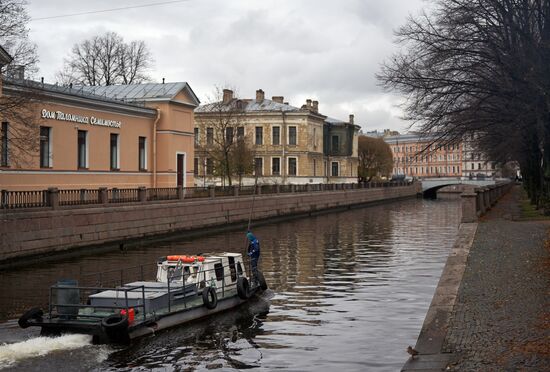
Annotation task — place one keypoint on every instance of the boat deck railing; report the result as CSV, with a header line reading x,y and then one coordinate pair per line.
x,y
176,285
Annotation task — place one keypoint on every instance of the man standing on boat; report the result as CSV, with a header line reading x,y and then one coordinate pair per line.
x,y
253,251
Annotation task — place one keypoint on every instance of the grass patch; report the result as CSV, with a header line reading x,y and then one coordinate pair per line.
x,y
529,211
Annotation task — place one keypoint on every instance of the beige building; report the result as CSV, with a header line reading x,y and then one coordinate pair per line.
x,y
289,144
122,136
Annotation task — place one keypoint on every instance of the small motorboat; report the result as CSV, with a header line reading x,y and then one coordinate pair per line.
x,y
186,288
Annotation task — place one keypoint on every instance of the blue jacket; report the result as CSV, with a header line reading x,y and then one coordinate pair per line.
x,y
253,246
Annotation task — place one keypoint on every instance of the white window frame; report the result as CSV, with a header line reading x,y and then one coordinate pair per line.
x,y
146,160
331,164
271,166
288,135
263,168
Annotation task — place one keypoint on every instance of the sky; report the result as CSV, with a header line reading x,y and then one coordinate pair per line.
x,y
324,50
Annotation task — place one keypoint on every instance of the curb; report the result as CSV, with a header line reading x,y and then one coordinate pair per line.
x,y
436,323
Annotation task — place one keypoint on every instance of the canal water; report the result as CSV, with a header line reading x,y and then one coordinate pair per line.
x,y
348,291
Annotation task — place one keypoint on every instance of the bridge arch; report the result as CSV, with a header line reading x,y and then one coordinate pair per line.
x,y
431,193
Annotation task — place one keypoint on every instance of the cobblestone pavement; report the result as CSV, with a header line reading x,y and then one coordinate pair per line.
x,y
501,319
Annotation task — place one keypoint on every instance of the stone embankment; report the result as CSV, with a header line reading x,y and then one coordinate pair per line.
x,y
490,309
25,233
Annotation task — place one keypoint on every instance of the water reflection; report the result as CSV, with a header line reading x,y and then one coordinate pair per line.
x,y
351,292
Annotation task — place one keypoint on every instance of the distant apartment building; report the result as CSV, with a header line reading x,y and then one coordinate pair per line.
x,y
412,157
475,164
291,145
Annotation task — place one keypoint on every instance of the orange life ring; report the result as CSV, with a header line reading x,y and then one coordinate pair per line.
x,y
184,258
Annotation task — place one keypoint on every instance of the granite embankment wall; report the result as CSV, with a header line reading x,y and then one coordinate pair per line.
x,y
41,232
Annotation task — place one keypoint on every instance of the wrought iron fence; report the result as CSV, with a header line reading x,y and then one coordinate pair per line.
x,y
53,197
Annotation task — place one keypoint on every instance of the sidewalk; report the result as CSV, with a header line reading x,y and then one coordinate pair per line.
x,y
500,320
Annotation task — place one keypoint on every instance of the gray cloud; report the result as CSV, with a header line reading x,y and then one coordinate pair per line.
x,y
323,50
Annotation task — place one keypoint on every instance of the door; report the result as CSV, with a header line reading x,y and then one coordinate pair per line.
x,y
181,170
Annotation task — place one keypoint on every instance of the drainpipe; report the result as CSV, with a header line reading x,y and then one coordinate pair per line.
x,y
155,148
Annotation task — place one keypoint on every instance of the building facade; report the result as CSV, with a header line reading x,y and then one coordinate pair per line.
x,y
412,158
288,143
89,137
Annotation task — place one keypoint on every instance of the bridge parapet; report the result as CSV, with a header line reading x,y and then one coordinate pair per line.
x,y
477,203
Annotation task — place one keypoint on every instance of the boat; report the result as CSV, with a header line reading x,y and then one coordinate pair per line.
x,y
186,288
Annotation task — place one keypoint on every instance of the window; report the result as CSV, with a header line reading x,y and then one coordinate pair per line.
x,y
239,269
232,268
209,166
335,143
314,138
276,136
82,149
334,168
209,136
197,138
478,166
240,132
276,166
218,269
4,145
45,147
142,153
196,167
259,166
314,167
259,136
229,135
292,136
115,165
292,169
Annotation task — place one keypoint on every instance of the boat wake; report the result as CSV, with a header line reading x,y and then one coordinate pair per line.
x,y
39,346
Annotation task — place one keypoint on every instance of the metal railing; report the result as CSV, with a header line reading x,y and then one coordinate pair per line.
x,y
78,197
22,199
54,198
123,195
173,286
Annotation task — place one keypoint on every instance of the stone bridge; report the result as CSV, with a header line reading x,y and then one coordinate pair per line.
x,y
431,185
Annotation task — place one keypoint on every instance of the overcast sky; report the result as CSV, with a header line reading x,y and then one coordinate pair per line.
x,y
324,50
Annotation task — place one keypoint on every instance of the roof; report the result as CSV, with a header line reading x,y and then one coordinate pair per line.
x,y
249,105
5,57
409,137
69,93
142,92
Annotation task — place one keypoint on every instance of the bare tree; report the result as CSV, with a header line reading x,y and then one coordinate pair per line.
x,y
224,142
483,67
375,158
14,38
19,99
106,60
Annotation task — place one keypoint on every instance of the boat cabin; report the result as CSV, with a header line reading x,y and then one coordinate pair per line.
x,y
219,270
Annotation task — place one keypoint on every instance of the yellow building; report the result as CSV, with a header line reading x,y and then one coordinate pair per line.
x,y
122,136
289,143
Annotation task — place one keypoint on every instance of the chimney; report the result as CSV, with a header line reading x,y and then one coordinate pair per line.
x,y
227,95
315,106
278,99
351,117
308,104
162,80
260,96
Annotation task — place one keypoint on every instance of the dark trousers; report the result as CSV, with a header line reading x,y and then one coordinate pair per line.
x,y
254,265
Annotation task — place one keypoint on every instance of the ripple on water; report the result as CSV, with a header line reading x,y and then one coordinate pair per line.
x,y
351,292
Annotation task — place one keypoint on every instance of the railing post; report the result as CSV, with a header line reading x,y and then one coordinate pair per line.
x,y
469,213
212,191
103,197
52,198
481,201
4,199
308,187
258,190
293,188
236,190
487,198
142,194
181,192
278,189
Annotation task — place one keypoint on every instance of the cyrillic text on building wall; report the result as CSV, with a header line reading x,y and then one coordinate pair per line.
x,y
91,120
